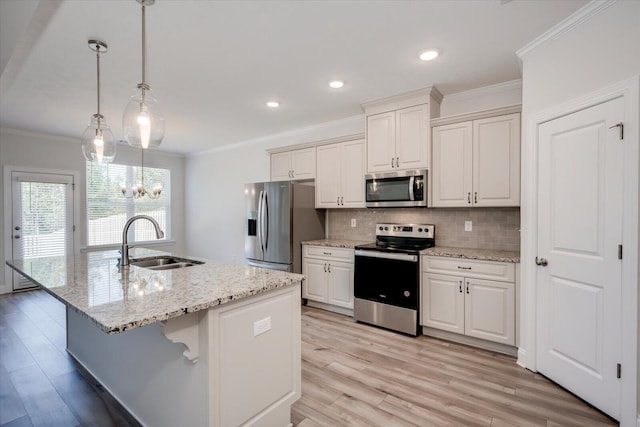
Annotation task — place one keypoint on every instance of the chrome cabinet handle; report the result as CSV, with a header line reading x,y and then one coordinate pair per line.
x,y
392,162
460,286
342,200
326,253
325,268
467,287
542,262
397,164
329,268
464,268
475,197
469,197
338,200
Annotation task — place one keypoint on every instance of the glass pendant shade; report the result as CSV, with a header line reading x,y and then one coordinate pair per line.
x,y
143,120
98,143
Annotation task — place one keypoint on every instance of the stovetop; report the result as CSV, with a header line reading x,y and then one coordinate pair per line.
x,y
402,238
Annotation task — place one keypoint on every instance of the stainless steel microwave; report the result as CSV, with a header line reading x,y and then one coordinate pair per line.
x,y
400,189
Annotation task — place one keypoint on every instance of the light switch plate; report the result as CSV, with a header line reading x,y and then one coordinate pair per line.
x,y
261,326
468,226
353,222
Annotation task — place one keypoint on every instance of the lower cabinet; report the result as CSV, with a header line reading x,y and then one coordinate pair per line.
x,y
328,275
474,298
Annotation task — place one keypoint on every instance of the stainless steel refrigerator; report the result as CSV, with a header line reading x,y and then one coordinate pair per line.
x,y
280,215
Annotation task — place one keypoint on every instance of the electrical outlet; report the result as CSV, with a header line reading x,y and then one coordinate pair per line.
x,y
353,222
468,226
261,326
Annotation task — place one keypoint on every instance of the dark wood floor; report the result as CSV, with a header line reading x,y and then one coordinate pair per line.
x,y
352,374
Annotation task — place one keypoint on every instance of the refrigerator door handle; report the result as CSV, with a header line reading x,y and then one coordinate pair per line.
x,y
266,215
260,220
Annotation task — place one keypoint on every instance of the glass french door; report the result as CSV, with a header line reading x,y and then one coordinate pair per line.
x,y
42,218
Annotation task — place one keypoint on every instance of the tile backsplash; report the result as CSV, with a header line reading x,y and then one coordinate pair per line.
x,y
493,228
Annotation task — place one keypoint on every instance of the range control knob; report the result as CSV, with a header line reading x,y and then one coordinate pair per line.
x,y
380,228
386,229
407,294
420,230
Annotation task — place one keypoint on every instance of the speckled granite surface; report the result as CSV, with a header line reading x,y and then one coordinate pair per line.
x,y
94,286
336,243
480,254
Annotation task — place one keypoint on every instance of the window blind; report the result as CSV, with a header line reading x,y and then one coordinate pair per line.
x,y
108,210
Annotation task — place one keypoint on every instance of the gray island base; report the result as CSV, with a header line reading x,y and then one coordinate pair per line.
x,y
215,344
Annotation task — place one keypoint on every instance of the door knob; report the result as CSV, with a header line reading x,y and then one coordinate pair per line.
x,y
17,236
542,261
17,227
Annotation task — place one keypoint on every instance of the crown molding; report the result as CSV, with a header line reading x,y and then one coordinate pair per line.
x,y
407,99
317,143
477,115
583,14
485,90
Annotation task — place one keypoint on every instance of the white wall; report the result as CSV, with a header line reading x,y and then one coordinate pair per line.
x,y
602,50
28,149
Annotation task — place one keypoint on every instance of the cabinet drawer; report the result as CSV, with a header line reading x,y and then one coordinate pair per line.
x,y
328,253
491,270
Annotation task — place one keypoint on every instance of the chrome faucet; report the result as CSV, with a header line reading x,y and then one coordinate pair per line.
x,y
124,251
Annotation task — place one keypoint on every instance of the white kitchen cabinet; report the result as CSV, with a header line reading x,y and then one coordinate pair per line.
x,y
328,275
398,130
340,175
293,165
398,140
477,163
463,301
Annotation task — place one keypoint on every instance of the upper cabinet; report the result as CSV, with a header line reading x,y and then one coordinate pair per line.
x,y
340,175
397,133
477,163
293,165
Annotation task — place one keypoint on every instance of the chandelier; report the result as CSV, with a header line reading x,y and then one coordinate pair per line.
x,y
138,191
98,143
143,120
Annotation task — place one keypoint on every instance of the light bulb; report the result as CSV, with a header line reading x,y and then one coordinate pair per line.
x,y
98,143
143,121
145,126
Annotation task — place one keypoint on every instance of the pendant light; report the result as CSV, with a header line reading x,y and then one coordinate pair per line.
x,y
138,191
143,120
98,143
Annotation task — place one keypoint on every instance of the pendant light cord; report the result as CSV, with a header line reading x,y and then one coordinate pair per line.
x,y
144,48
98,74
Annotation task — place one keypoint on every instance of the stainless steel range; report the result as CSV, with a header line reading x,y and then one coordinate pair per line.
x,y
387,276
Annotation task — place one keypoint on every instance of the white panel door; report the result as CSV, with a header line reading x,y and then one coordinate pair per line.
x,y
340,284
412,137
42,219
328,176
352,174
443,302
381,135
579,230
314,287
496,161
451,170
490,310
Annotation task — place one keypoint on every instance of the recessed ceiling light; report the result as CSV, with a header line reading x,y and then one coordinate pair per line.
x,y
273,104
429,55
336,84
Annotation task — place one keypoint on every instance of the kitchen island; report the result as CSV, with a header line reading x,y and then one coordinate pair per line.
x,y
213,344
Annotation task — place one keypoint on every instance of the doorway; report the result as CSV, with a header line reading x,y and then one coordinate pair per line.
x,y
41,218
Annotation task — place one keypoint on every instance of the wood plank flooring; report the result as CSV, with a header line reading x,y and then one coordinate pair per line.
x,y
352,375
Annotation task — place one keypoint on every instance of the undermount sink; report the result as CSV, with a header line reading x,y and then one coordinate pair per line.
x,y
164,263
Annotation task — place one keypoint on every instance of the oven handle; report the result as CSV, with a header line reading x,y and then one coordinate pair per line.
x,y
386,255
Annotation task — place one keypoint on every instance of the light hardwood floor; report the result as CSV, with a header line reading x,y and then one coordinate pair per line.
x,y
352,374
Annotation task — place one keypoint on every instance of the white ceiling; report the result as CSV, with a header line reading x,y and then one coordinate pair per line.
x,y
213,64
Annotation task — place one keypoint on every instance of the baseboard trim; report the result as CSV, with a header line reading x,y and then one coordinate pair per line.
x,y
471,341
329,307
522,358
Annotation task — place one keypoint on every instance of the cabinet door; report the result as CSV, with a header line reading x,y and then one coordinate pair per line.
x,y
340,284
303,163
490,310
328,176
496,161
381,135
412,137
314,286
451,173
352,174
281,166
442,302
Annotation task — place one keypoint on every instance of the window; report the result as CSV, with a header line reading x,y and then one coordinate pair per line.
x,y
108,210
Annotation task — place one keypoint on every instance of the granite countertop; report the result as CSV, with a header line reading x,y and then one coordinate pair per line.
x,y
479,254
336,243
116,301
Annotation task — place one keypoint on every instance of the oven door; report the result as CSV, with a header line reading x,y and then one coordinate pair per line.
x,y
388,278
